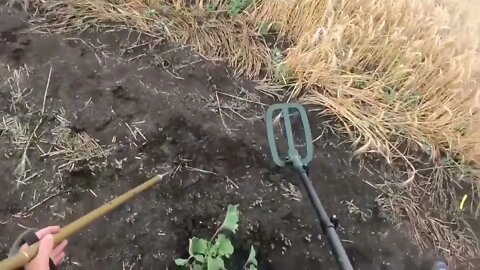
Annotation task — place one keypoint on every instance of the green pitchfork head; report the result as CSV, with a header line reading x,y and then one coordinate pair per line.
x,y
287,111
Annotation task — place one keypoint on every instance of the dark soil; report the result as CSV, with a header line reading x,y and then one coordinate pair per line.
x,y
170,92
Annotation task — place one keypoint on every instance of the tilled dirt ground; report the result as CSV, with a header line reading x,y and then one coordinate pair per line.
x,y
93,115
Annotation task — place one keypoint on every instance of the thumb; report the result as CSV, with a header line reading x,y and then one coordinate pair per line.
x,y
46,247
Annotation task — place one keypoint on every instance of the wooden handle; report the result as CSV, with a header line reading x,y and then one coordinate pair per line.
x,y
23,257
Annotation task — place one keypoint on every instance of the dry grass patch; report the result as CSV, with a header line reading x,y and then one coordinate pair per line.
x,y
215,36
29,130
74,150
14,125
387,68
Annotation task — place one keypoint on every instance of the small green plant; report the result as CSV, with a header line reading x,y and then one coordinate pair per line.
x,y
277,56
150,13
413,100
251,263
283,74
390,93
211,7
235,7
359,85
211,255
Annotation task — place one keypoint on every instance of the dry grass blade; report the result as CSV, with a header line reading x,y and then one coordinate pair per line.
x,y
13,127
14,84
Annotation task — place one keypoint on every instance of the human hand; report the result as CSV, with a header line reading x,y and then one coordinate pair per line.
x,y
47,253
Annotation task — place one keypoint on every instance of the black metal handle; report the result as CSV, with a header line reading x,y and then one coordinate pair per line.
x,y
327,226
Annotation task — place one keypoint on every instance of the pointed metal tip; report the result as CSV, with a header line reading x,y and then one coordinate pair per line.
x,y
162,175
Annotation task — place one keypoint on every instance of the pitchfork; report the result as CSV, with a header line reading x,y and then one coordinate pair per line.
x,y
291,112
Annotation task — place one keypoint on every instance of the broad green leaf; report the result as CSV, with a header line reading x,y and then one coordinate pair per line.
x,y
199,258
215,263
225,247
181,262
198,266
252,260
231,220
197,246
252,267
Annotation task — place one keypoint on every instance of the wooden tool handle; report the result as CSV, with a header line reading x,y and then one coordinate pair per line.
x,y
23,257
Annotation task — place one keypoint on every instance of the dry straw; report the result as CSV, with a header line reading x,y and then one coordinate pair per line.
x,y
219,38
387,68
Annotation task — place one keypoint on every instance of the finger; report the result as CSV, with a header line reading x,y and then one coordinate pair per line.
x,y
59,249
57,260
24,247
48,230
46,247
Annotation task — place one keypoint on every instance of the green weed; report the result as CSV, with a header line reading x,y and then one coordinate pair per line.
x,y
283,74
277,56
251,263
210,8
235,7
359,85
390,93
211,255
150,13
